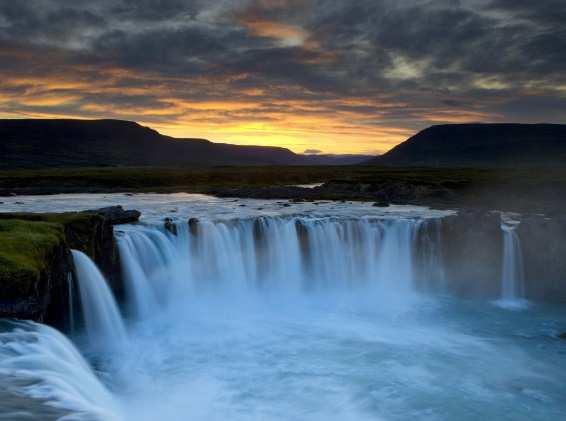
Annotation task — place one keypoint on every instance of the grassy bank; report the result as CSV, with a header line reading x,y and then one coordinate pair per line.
x,y
479,187
28,243
26,247
158,179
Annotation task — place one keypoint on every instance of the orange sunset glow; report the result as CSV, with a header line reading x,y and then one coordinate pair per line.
x,y
283,210
273,72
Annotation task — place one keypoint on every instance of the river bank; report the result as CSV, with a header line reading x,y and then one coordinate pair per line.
x,y
509,190
35,260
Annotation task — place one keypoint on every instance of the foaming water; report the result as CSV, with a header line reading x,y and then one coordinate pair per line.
x,y
335,356
326,356
40,363
104,324
310,317
279,255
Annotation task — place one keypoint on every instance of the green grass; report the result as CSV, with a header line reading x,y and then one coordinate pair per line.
x,y
157,179
28,242
519,188
78,227
198,179
25,247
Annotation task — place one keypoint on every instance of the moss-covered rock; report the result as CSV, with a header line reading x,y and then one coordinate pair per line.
x,y
77,227
35,258
26,250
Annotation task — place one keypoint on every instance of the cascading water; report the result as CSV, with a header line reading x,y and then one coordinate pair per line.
x,y
39,362
317,315
512,271
71,294
104,324
284,254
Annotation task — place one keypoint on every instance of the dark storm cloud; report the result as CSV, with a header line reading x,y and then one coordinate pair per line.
x,y
395,63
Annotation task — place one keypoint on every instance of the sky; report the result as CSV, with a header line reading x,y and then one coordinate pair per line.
x,y
332,76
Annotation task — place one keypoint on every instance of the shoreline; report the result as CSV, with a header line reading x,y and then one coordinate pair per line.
x,y
506,190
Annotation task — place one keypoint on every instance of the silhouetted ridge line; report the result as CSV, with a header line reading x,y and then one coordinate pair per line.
x,y
480,145
29,143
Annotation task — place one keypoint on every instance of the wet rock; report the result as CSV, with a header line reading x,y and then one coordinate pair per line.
x,y
381,204
562,336
303,235
471,249
115,215
33,285
170,226
193,226
544,255
39,291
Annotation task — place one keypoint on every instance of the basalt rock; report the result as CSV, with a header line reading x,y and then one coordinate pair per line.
x,y
544,256
388,191
381,204
471,245
193,226
115,215
34,267
35,261
471,249
170,226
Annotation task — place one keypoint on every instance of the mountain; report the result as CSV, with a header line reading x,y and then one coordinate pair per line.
x,y
334,159
481,145
29,143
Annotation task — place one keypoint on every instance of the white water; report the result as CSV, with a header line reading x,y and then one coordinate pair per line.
x,y
286,255
104,325
40,363
155,207
71,294
311,315
512,272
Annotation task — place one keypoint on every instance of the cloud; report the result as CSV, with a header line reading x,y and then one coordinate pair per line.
x,y
312,151
308,74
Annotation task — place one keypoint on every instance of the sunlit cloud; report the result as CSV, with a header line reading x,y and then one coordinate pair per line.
x,y
287,35
333,76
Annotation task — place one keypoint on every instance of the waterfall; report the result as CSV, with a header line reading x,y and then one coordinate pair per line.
x,y
512,271
291,254
268,313
104,324
153,260
41,363
71,294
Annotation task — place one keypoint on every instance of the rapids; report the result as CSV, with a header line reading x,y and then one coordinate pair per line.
x,y
272,312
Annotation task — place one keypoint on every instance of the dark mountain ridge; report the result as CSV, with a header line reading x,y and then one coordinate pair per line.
x,y
30,143
481,145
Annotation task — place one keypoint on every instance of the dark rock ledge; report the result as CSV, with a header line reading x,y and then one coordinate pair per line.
x,y
35,259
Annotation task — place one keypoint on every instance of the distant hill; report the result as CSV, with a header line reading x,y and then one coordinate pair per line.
x,y
481,145
26,143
